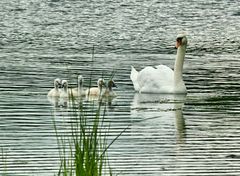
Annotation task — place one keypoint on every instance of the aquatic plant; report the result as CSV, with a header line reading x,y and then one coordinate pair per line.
x,y
84,151
4,162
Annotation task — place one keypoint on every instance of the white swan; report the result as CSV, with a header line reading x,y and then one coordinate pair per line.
x,y
96,91
64,91
163,79
78,91
109,91
55,92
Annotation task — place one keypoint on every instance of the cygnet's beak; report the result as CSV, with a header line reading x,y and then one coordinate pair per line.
x,y
62,85
59,85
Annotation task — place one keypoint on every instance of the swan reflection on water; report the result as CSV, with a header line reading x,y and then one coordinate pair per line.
x,y
162,111
54,101
65,102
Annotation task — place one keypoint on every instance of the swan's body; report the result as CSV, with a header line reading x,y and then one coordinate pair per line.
x,y
162,79
64,91
78,91
55,92
96,91
109,91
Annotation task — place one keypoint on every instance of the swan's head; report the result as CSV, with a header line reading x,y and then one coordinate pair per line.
x,y
64,84
101,83
111,84
181,40
80,79
57,83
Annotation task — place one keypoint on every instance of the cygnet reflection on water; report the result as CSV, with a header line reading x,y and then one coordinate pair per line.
x,y
54,101
159,111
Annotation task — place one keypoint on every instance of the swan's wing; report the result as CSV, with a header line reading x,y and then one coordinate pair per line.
x,y
134,76
156,80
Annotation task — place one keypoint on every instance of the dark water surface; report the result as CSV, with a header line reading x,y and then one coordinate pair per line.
x,y
167,135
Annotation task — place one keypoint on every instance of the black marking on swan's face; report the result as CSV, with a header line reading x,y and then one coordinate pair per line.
x,y
180,41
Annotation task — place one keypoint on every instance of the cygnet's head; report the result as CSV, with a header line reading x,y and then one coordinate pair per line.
x,y
111,84
101,82
181,40
57,83
64,84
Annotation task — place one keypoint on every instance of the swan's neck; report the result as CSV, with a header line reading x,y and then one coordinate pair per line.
x,y
56,87
178,67
80,88
110,88
65,88
100,86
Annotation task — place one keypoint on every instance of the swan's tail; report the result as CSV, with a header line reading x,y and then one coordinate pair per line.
x,y
133,76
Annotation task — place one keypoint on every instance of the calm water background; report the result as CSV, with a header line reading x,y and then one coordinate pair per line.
x,y
168,135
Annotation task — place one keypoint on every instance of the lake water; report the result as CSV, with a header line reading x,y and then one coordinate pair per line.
x,y
197,134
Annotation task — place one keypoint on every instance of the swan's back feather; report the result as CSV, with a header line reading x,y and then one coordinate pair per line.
x,y
156,80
